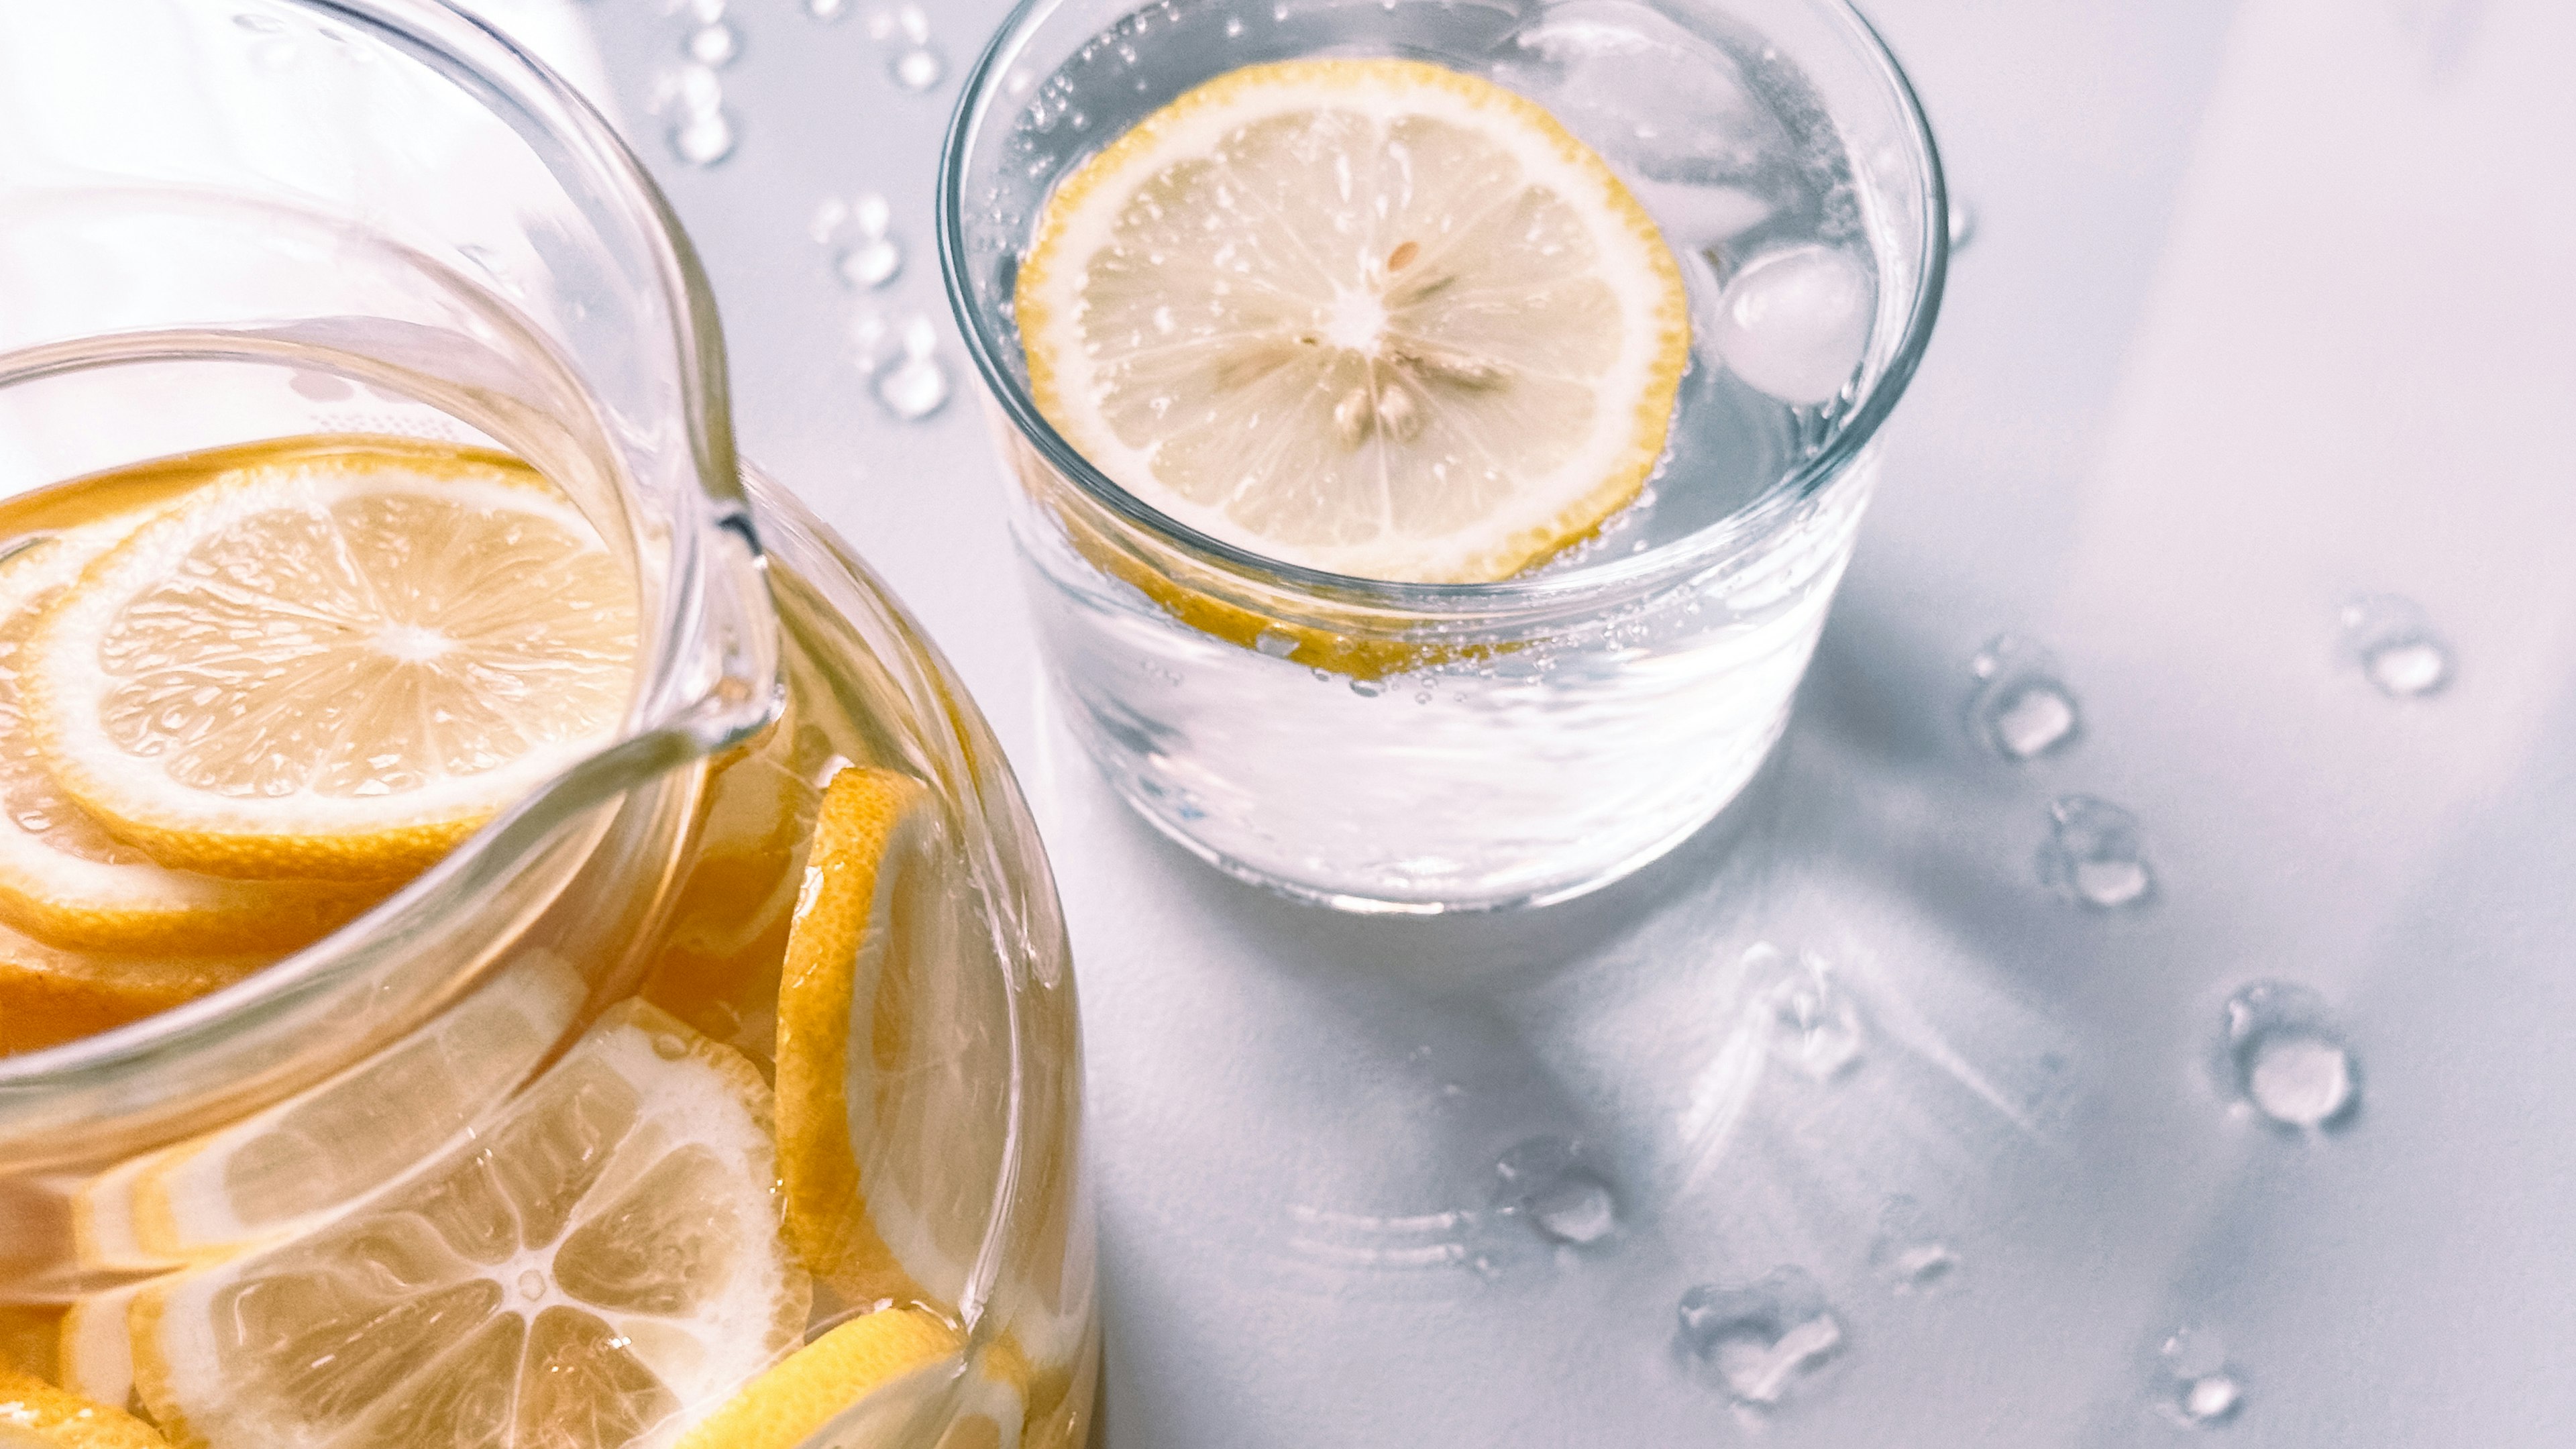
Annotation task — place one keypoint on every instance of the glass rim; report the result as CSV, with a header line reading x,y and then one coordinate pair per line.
x,y
667,710
1742,528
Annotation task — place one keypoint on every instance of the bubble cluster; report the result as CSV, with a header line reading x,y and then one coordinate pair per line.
x,y
697,124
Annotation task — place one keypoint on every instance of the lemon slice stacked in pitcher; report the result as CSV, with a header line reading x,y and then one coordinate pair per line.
x,y
230,726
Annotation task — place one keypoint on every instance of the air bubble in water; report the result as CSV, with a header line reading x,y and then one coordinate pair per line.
x,y
1274,643
716,44
1760,1340
2020,709
2094,857
1810,1023
2283,1058
1907,1253
1234,27
1794,323
916,385
2198,1387
1368,688
918,68
1545,1182
2394,645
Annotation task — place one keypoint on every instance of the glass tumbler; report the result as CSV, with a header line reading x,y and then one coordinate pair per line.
x,y
1417,748
514,1157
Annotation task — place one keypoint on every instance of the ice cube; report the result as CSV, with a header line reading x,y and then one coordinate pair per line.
x,y
1795,323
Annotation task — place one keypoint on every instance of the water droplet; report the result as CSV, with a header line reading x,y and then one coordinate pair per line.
x,y
914,22
1811,1023
1907,1253
1368,688
1545,1182
703,138
2093,856
2283,1057
1275,644
1761,1340
2394,644
716,45
870,264
1234,27
827,10
1963,226
2199,1387
532,1285
872,214
706,12
914,388
2020,709
918,68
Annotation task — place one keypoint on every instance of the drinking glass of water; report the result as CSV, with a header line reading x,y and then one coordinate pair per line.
x,y
1437,429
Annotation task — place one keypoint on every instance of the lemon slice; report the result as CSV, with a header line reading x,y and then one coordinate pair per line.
x,y
893,1051
1374,317
340,1142
819,1382
49,996
63,878
603,1258
36,1415
333,669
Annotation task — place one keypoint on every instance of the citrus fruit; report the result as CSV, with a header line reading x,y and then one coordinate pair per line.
x,y
1374,317
49,996
36,1415
339,1142
602,1258
332,669
893,1051
818,1382
63,877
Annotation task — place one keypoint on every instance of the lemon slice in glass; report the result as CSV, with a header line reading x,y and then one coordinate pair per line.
x,y
602,1259
333,669
63,877
784,1407
893,1051
1374,317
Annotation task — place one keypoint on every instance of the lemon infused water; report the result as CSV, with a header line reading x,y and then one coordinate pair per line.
x,y
507,935
1438,428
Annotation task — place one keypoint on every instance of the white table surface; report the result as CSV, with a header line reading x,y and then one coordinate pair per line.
x,y
2266,304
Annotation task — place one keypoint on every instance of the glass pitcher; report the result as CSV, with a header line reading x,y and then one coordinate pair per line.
x,y
591,1133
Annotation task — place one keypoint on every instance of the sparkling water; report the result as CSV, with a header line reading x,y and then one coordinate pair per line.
x,y
1541,754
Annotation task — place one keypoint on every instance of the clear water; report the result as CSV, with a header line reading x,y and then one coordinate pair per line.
x,y
1580,746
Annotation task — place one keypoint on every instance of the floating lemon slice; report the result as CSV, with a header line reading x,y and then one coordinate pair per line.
x,y
893,1051
819,1382
63,877
49,996
601,1260
333,669
36,1415
1374,317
